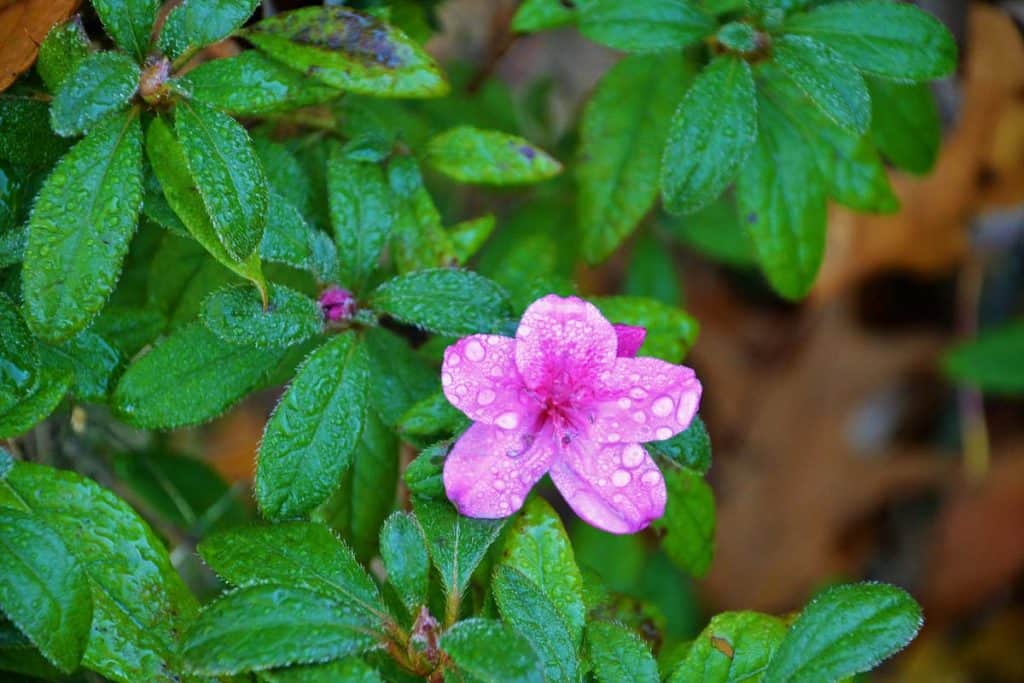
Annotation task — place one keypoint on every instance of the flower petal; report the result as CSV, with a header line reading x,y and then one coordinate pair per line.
x,y
645,399
480,378
490,470
617,488
630,338
563,344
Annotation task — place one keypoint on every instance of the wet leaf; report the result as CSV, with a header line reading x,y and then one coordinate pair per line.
x,y
131,639
489,157
350,670
190,377
400,378
196,23
259,627
670,331
351,51
43,589
96,86
845,630
80,227
252,83
36,405
23,26
418,239
487,649
468,236
227,174
19,355
129,23
734,647
362,215
403,548
445,301
690,448
65,45
236,315
689,521
622,135
539,15
618,654
710,136
92,362
881,38
310,438
457,543
905,124
652,26
290,240
994,361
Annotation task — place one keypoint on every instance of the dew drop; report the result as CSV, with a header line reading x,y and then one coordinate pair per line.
x,y
454,359
621,477
685,411
663,433
446,379
625,403
499,485
524,331
639,417
508,420
633,455
637,392
475,351
614,437
662,406
602,482
485,397
651,477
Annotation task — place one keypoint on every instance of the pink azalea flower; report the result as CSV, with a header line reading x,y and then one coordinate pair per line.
x,y
567,398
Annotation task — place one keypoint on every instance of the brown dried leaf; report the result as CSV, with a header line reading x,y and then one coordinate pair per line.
x,y
23,25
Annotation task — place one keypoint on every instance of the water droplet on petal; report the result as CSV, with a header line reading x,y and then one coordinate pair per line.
x,y
621,477
475,351
637,392
663,433
485,397
524,331
625,403
639,417
446,379
515,501
633,455
454,359
499,485
508,420
602,482
651,477
662,406
614,437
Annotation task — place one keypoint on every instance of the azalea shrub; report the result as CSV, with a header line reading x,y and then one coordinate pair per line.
x,y
476,469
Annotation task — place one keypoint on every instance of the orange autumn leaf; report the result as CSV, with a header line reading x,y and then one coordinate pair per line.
x,y
23,25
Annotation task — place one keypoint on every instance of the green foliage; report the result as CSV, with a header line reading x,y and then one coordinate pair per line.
x,y
618,654
471,155
690,448
403,549
237,315
457,544
652,26
97,85
991,362
905,124
129,23
195,23
362,215
481,647
670,331
689,521
62,49
735,646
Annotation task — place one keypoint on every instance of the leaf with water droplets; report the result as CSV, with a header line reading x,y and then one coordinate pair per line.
x,y
98,85
291,240
670,331
845,630
905,124
690,448
41,399
400,377
361,215
539,15
80,227
227,174
92,362
445,301
457,543
490,650
403,549
304,554
196,23
734,647
418,239
25,134
689,521
264,626
43,589
489,157
190,377
129,23
349,669
310,438
351,51
468,236
535,617
618,654
64,46
252,83
19,356
837,89
424,475
236,315
651,26
432,418
621,137
131,639
710,136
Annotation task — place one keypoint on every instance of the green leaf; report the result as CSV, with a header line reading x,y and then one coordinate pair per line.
x,y
65,45
539,15
735,647
128,328
433,416
424,475
838,90
227,174
489,650
129,22
236,315
181,490
43,397
351,51
652,272
399,377
538,546
994,362
781,197
738,36
622,134
882,38
19,355
651,26
252,83
80,228
419,240
288,178
403,548
310,438
618,654
302,554
689,521
181,275
25,134
196,23
290,240
670,331
98,85
189,378
43,589
445,301
710,136
468,236
361,215
531,613
91,360
457,543
350,670
489,157
171,168
261,627
367,490
905,124
690,448
845,630
131,639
